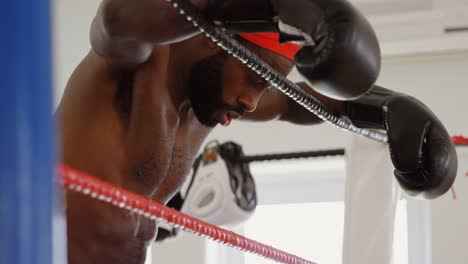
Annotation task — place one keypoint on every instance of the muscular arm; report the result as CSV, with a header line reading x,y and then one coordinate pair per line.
x,y
274,105
124,31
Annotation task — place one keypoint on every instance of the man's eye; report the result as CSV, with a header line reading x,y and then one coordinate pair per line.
x,y
256,81
260,83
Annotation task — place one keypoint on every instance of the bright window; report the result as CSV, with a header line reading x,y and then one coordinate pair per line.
x,y
303,213
313,231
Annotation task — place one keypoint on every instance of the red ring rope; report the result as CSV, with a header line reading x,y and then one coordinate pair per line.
x,y
98,189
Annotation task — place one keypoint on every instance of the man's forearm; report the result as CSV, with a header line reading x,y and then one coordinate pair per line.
x,y
151,21
297,114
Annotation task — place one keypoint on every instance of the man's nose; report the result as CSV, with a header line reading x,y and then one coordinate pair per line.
x,y
249,100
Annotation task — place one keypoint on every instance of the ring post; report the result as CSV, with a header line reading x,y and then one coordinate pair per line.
x,y
30,214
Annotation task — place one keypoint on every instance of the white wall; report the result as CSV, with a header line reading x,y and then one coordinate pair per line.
x,y
188,248
72,22
440,81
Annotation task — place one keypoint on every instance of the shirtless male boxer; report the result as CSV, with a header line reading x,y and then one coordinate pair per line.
x,y
137,109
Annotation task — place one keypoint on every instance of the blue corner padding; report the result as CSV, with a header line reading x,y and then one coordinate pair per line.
x,y
28,190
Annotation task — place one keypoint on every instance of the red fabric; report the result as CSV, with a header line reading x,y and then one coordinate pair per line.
x,y
270,41
460,140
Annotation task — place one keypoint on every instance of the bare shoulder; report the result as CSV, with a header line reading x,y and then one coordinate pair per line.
x,y
159,57
96,78
97,68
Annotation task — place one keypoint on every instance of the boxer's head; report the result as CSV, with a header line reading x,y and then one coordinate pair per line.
x,y
222,88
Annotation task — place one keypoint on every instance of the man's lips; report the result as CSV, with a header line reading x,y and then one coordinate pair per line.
x,y
225,117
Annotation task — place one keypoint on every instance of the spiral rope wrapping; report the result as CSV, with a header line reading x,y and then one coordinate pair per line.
x,y
275,79
100,190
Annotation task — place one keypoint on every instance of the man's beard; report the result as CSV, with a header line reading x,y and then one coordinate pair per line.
x,y
205,89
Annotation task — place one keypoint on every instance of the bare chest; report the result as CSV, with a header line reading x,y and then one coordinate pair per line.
x,y
162,159
160,134
179,162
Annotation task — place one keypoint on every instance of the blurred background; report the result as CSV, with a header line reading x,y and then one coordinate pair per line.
x,y
425,54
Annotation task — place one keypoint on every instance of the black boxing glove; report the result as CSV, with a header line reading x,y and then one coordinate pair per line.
x,y
421,149
340,55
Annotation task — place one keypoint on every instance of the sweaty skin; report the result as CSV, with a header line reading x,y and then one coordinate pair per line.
x,y
147,148
126,118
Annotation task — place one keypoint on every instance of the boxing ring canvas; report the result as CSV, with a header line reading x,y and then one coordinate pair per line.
x,y
30,213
